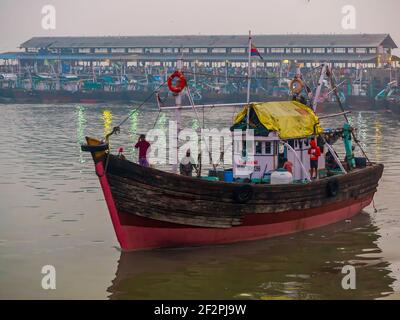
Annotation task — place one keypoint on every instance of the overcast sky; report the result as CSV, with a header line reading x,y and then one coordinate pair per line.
x,y
21,19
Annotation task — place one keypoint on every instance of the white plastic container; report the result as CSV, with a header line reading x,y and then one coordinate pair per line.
x,y
281,176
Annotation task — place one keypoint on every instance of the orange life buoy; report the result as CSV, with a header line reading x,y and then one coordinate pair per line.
x,y
296,85
180,82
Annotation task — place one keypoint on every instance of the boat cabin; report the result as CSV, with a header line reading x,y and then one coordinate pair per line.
x,y
280,130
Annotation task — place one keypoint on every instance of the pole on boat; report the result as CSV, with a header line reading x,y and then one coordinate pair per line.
x,y
320,83
248,79
178,103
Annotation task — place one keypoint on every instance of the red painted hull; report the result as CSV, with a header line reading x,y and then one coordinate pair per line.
x,y
135,232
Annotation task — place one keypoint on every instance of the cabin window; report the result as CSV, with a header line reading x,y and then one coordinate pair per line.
x,y
268,147
300,144
237,146
291,143
258,147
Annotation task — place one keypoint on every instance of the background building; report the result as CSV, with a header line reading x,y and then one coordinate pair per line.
x,y
343,50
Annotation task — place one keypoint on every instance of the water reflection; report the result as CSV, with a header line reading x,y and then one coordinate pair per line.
x,y
378,139
304,266
107,121
80,129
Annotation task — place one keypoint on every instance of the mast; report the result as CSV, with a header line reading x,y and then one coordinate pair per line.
x,y
248,79
178,110
320,83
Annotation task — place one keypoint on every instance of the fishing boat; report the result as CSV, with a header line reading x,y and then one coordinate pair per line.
x,y
256,198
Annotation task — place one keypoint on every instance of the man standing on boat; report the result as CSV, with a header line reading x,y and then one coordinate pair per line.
x,y
143,146
315,153
187,164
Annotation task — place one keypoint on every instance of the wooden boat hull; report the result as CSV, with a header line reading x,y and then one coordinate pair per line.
x,y
156,215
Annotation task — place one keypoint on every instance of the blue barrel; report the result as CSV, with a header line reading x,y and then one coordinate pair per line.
x,y
228,176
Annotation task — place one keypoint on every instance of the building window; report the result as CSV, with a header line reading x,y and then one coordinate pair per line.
x,y
319,50
350,50
296,50
199,50
277,50
152,50
100,50
261,50
339,50
218,50
287,50
184,50
84,50
361,50
168,50
238,50
372,50
135,50
118,50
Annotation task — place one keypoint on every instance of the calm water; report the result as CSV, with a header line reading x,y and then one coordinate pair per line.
x,y
52,212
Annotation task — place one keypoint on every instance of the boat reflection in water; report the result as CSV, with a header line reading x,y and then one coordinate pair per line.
x,y
303,266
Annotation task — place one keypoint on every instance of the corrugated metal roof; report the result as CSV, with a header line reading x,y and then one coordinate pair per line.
x,y
288,40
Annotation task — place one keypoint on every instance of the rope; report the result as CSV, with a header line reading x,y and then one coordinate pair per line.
x,y
116,129
142,104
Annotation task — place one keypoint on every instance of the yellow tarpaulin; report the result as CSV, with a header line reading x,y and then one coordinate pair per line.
x,y
290,119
